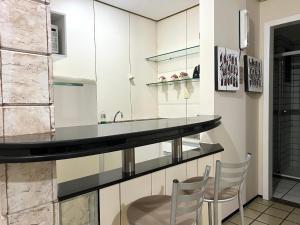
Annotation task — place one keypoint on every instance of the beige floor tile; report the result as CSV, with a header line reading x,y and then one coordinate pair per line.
x,y
297,211
257,207
295,218
288,223
264,202
271,220
251,213
228,223
276,212
257,223
237,219
283,207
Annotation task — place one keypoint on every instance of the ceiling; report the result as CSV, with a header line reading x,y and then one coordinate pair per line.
x,y
154,9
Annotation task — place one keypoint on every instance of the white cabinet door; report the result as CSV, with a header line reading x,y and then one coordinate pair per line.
x,y
208,160
79,61
110,205
192,168
175,172
112,61
193,20
143,45
159,182
131,191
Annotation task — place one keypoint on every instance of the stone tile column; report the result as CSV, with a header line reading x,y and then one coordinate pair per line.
x,y
28,191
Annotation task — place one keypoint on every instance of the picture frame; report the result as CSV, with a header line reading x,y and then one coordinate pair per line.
x,y
253,74
227,69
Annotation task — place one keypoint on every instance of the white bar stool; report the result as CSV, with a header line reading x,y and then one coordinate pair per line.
x,y
227,185
182,208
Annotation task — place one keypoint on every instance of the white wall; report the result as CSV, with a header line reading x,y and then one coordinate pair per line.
x,y
230,105
252,105
238,133
174,33
75,105
79,61
270,11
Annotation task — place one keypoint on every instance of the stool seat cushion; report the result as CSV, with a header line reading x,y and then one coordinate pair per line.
x,y
155,210
225,194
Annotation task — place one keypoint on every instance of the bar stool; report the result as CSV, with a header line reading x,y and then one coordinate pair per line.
x,y
227,185
178,209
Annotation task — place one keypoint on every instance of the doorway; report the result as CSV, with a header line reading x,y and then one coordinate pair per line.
x,y
286,113
272,132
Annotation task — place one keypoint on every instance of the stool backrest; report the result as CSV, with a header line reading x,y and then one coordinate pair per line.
x,y
188,197
229,175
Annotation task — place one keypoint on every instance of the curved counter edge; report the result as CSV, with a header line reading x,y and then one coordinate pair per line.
x,y
83,141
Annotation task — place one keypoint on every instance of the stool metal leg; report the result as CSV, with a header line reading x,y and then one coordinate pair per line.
x,y
209,213
241,209
198,212
216,214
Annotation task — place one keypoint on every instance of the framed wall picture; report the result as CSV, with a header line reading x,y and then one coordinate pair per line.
x,y
227,69
253,74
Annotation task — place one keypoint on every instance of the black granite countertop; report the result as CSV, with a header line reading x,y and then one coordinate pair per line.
x,y
81,141
95,182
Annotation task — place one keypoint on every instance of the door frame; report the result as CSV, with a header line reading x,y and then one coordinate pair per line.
x,y
267,155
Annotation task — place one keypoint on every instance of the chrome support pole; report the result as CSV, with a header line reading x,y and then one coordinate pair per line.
x,y
128,161
177,149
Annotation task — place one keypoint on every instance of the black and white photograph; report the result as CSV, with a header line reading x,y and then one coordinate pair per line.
x,y
253,74
227,69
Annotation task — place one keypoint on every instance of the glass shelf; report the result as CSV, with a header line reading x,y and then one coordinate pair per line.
x,y
173,82
175,54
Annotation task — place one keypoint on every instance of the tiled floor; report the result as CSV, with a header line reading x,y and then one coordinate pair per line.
x,y
261,212
288,190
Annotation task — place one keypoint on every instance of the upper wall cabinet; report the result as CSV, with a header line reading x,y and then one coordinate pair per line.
x,y
112,61
78,60
123,41
142,44
171,33
193,27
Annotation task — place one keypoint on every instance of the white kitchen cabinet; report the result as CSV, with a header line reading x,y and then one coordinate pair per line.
x,y
79,34
110,205
208,160
114,200
192,168
143,45
193,27
159,182
112,61
132,190
217,156
176,172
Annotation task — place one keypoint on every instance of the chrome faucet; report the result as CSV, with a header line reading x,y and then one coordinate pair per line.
x,y
117,113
